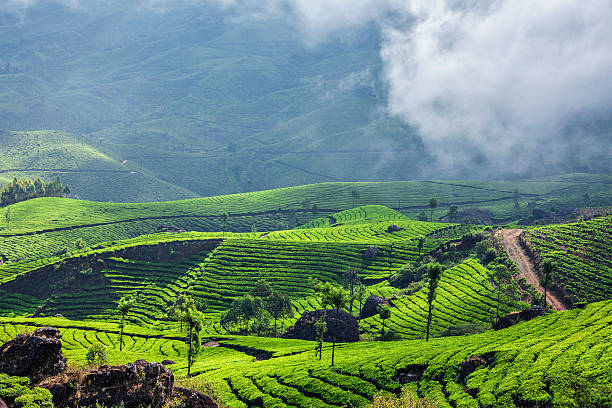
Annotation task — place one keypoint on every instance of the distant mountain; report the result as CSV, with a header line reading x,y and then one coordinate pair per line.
x,y
202,102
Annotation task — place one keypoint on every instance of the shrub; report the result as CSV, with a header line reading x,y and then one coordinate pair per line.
x,y
96,354
461,330
405,400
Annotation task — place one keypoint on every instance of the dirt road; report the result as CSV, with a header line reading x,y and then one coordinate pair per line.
x,y
525,266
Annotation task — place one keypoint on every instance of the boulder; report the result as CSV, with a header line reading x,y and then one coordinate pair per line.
x,y
168,362
393,228
48,332
139,384
341,326
470,365
371,252
370,307
517,317
35,356
193,399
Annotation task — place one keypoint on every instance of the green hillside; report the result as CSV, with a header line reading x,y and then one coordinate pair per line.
x,y
583,256
561,360
220,268
60,223
82,165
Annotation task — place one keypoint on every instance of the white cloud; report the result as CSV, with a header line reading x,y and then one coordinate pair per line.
x,y
503,79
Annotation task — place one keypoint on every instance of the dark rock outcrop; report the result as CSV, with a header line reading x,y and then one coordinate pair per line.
x,y
393,228
341,326
36,356
370,307
193,399
140,384
371,252
472,363
517,317
168,362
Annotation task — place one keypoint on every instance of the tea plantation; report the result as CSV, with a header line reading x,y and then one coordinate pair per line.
x,y
563,359
70,271
582,252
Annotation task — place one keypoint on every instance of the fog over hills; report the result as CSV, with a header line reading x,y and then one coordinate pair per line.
x,y
216,97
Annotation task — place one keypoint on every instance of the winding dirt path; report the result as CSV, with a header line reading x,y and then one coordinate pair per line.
x,y
527,270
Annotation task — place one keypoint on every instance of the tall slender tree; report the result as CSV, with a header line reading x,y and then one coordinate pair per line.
x,y
384,313
338,298
279,306
224,218
350,280
433,204
124,306
548,268
194,320
434,272
420,243
360,296
500,277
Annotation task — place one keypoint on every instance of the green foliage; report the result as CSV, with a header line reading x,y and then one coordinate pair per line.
x,y
579,253
17,390
434,272
96,354
194,321
22,190
462,329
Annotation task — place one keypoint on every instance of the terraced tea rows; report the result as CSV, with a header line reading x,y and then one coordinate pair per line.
x,y
530,364
582,252
53,213
464,295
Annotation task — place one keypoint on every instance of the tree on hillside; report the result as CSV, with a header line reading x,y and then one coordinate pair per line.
x,y
7,218
452,213
261,289
21,190
224,218
354,195
420,243
548,269
338,298
123,307
279,306
433,204
350,279
360,296
501,276
194,320
384,313
320,289
434,272
320,328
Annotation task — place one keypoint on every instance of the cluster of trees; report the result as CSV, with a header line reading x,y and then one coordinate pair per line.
x,y
252,312
26,189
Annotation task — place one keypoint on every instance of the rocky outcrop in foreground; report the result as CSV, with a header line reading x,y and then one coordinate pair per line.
x,y
341,326
36,356
139,384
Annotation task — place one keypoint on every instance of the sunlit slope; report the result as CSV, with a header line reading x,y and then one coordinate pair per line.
x,y
582,252
79,161
410,197
88,284
530,364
